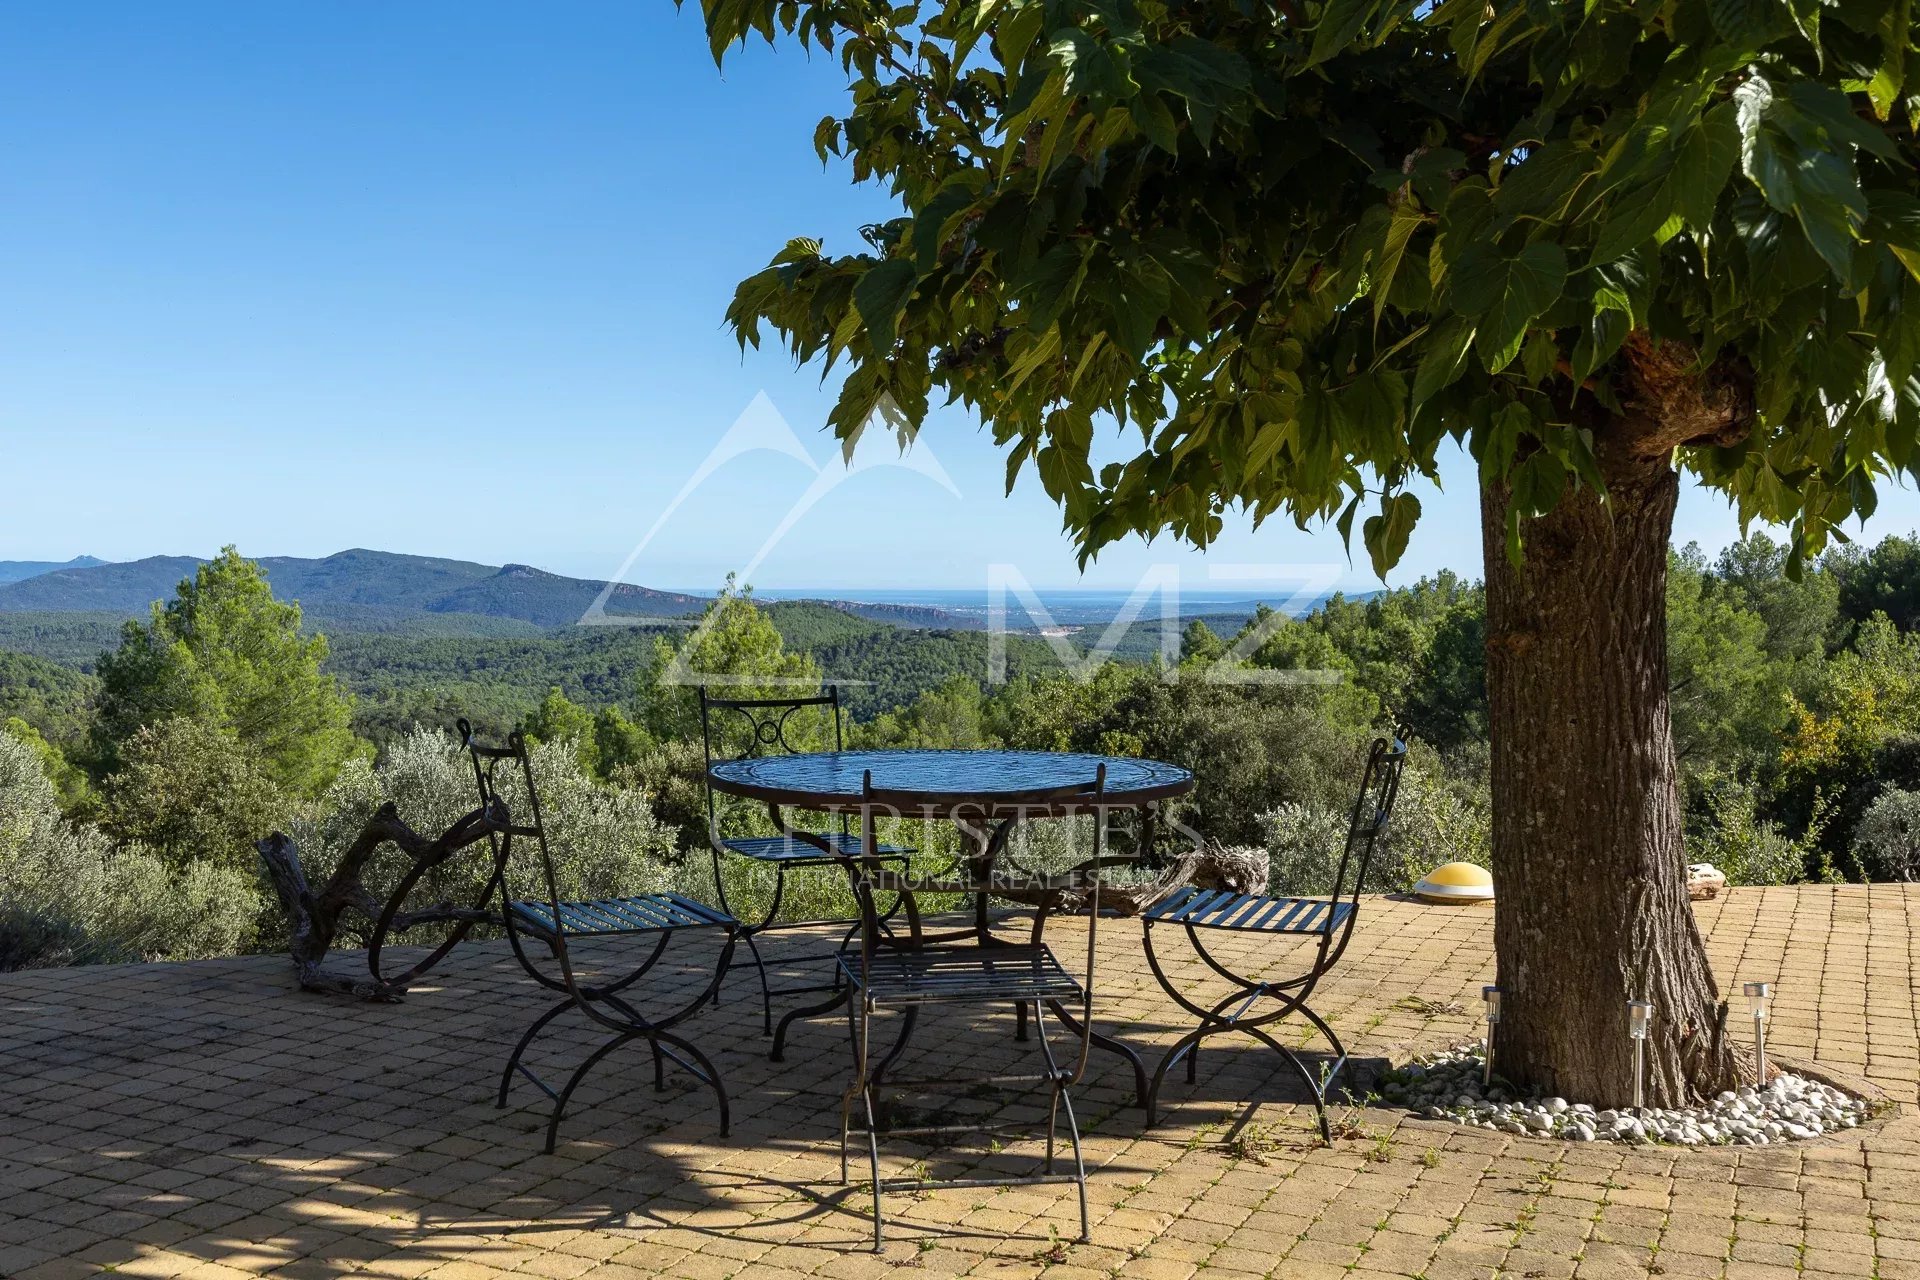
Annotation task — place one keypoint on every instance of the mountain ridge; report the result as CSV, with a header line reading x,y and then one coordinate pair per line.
x,y
362,583
21,570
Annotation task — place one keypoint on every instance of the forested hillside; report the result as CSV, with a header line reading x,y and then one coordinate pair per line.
x,y
407,668
55,700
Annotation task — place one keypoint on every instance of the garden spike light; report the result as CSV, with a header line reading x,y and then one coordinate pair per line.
x,y
1491,995
1639,1020
1758,993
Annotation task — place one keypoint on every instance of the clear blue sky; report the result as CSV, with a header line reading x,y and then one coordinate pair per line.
x,y
448,277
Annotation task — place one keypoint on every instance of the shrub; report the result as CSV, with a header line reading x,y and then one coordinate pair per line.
x,y
1747,847
32,938
1303,847
1888,837
1439,817
71,896
1436,819
189,790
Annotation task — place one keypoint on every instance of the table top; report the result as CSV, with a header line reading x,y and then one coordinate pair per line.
x,y
943,780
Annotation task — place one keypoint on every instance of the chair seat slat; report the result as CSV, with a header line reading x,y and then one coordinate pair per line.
x,y
646,913
1251,913
985,975
1266,915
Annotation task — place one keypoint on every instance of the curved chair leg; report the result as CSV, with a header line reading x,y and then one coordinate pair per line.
x,y
1258,1030
1119,1047
747,932
706,1068
712,1076
1318,1088
766,989
788,1018
909,1018
846,941
1065,1101
573,1082
1180,1046
513,1060
1213,1015
1339,1050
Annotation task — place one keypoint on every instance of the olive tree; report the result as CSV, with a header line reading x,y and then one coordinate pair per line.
x,y
1291,247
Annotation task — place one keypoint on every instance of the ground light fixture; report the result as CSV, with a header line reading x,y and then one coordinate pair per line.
x,y
1491,995
1758,994
1639,1021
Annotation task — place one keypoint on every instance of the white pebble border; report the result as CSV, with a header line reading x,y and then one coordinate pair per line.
x,y
1447,1087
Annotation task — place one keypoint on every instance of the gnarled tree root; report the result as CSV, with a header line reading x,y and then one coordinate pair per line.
x,y
314,919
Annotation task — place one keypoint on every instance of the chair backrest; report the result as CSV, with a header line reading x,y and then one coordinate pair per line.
x,y
876,802
487,763
744,728
1379,787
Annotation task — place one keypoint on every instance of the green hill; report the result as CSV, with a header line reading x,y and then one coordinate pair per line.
x,y
19,570
375,591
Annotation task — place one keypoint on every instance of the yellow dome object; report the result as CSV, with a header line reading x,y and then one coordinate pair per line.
x,y
1457,884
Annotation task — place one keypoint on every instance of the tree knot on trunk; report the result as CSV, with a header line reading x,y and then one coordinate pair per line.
x,y
1671,399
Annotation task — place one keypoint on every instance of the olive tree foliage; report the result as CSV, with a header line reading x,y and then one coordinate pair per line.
x,y
1296,244
68,895
1889,835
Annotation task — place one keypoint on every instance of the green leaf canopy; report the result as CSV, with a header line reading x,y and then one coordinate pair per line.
x,y
1296,245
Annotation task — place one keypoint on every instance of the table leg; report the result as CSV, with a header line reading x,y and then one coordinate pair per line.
x,y
1111,1045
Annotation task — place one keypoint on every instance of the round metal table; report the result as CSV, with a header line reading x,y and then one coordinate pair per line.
x,y
978,791
945,783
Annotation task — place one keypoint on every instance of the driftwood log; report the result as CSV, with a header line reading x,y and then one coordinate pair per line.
x,y
314,919
1235,868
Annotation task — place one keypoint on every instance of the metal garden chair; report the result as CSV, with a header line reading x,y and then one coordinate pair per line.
x,y
553,927
765,722
1325,923
891,972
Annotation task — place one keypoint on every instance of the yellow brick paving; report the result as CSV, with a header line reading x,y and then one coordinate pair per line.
x,y
206,1120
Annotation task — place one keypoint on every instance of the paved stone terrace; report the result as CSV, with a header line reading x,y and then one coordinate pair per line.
x,y
206,1120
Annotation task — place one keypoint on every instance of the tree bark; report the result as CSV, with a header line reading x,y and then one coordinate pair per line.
x,y
1588,856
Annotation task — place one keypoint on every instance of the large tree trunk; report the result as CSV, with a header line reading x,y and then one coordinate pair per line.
x,y
1588,859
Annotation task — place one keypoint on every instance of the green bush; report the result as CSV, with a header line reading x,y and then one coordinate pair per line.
x,y
1750,849
189,790
1444,814
1888,837
68,891
36,939
1303,847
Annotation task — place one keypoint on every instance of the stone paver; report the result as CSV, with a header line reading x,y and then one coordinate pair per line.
x,y
207,1121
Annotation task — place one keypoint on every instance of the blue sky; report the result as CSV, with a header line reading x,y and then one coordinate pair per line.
x,y
448,278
